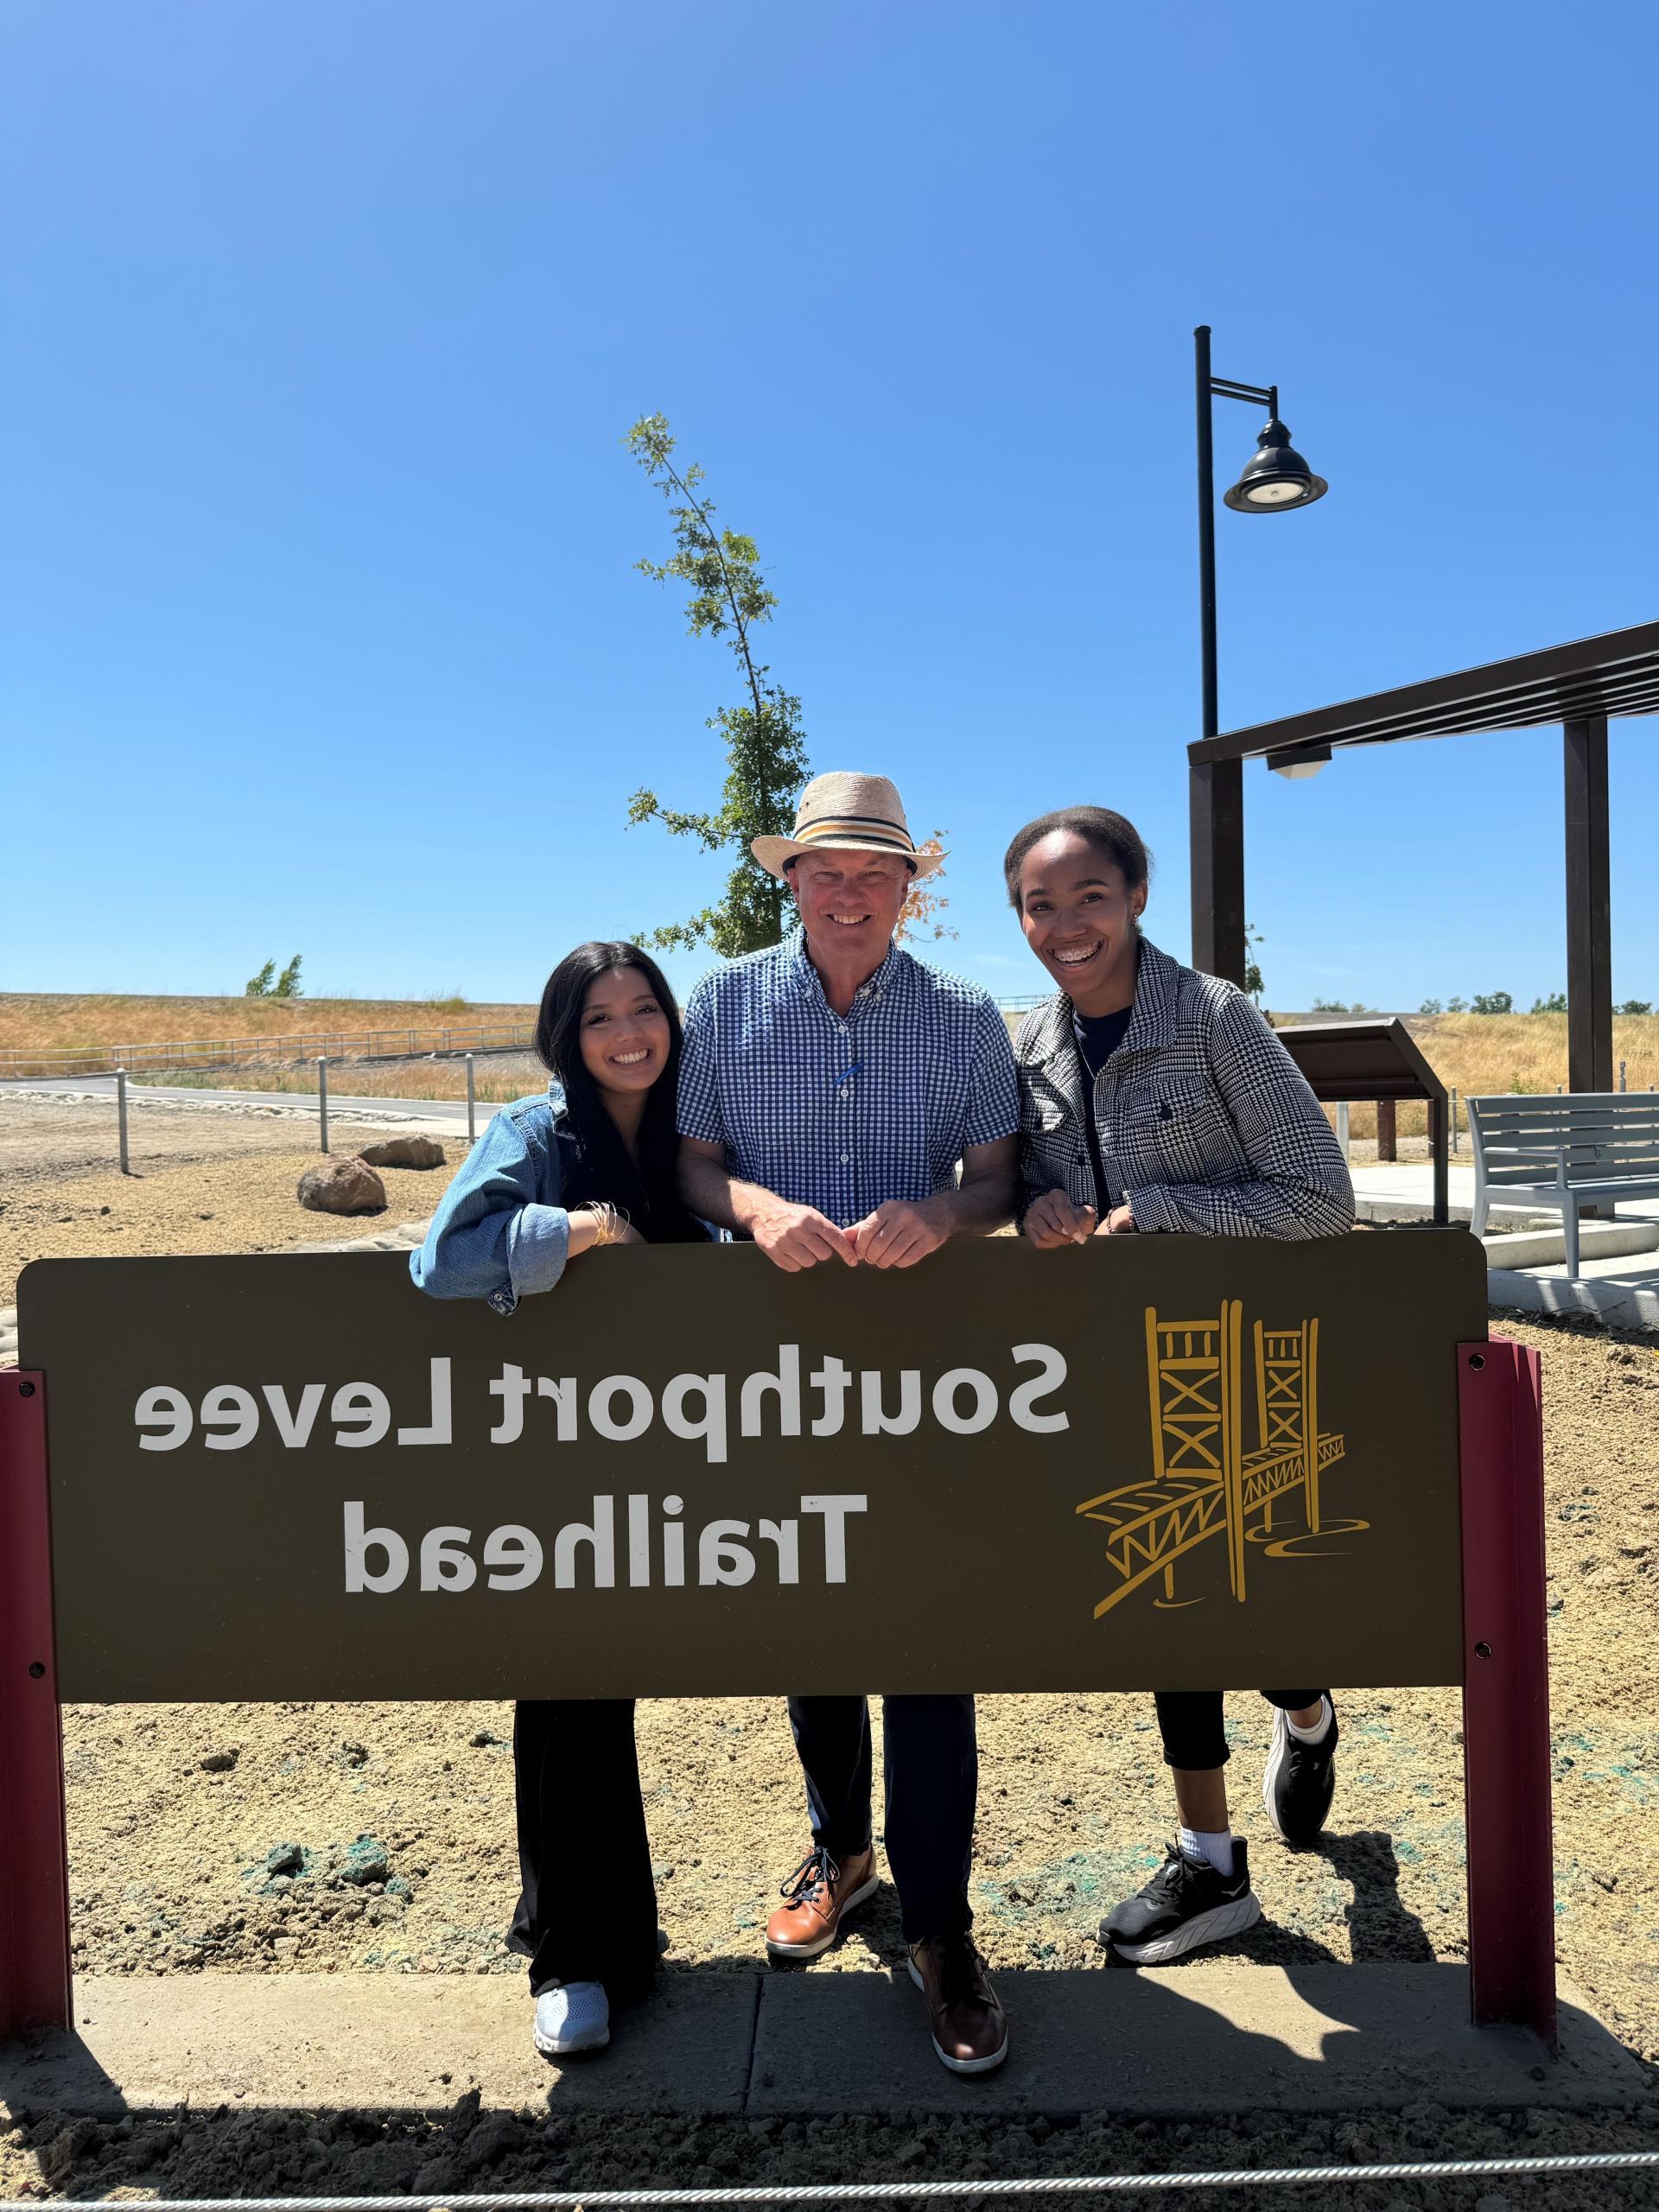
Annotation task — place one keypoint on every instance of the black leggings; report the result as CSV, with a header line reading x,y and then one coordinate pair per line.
x,y
1191,1722
588,1908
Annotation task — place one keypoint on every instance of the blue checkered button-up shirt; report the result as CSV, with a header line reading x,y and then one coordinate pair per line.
x,y
840,1115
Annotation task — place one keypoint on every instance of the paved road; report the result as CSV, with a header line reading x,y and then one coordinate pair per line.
x,y
442,1112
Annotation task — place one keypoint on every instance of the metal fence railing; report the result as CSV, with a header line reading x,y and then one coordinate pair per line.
x,y
187,1054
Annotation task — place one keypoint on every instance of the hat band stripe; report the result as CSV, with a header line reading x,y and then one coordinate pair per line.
x,y
863,826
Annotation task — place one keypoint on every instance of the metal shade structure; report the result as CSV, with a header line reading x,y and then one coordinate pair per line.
x,y
1582,686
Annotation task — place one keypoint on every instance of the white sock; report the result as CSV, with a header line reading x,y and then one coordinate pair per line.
x,y
1216,1847
1321,1728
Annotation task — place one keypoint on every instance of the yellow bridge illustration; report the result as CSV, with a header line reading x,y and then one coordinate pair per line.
x,y
1205,1484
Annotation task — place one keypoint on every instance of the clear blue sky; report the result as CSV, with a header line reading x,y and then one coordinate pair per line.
x,y
318,629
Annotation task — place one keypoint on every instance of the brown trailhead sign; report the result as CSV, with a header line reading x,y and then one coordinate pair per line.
x,y
1149,1462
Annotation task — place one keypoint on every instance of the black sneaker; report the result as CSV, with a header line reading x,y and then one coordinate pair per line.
x,y
1186,1903
1300,1781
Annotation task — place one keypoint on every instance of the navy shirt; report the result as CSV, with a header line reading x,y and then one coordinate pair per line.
x,y
1099,1036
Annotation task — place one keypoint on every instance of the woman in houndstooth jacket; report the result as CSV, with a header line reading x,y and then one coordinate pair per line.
x,y
1154,1098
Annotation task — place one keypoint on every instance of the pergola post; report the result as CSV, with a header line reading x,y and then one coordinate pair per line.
x,y
1216,836
1589,908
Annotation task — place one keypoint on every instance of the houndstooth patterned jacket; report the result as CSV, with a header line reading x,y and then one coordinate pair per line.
x,y
1205,1123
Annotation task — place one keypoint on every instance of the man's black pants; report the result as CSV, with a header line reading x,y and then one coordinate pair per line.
x,y
588,1911
1194,1733
931,1756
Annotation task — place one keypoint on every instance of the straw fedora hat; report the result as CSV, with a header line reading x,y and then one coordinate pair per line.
x,y
846,812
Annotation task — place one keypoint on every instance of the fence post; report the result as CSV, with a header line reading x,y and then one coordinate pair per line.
x,y
1342,1128
322,1097
472,1129
121,1116
1621,1075
1506,1748
1454,1119
35,1981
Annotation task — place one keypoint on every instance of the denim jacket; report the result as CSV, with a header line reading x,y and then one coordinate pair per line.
x,y
499,1232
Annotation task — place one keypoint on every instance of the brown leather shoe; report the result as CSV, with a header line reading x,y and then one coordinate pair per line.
x,y
970,2031
817,1897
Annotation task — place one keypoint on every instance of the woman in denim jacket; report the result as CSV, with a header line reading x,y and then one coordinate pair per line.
x,y
1154,1098
591,1163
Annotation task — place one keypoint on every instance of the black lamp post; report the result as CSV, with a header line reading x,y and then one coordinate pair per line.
x,y
1276,478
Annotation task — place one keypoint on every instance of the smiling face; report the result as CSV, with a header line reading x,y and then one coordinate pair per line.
x,y
849,903
1078,915
624,1032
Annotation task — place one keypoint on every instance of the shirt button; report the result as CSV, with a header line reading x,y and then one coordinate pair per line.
x,y
846,1158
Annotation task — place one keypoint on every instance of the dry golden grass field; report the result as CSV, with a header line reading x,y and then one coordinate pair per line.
x,y
1472,1052
48,1022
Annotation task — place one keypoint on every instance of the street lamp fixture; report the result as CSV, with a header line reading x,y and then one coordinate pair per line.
x,y
1275,477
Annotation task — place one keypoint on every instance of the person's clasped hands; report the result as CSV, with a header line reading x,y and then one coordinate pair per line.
x,y
1054,1219
896,1235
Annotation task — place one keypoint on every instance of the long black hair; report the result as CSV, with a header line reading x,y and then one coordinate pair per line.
x,y
603,1165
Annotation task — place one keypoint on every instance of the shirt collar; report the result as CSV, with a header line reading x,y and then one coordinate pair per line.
x,y
1152,1013
806,978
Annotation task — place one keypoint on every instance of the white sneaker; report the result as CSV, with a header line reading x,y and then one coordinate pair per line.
x,y
572,2016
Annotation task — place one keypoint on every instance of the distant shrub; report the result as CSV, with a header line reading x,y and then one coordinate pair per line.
x,y
286,986
1493,1002
1634,1006
1431,1006
1555,1003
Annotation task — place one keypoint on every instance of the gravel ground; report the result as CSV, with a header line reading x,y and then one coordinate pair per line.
x,y
205,1179
173,1811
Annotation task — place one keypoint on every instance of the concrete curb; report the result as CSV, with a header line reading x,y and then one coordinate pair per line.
x,y
1616,1303
1211,2037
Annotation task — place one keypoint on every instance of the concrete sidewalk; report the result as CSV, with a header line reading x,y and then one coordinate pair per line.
x,y
1618,1283
1209,2037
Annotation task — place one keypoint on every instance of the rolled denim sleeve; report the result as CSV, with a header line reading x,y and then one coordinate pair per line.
x,y
698,1105
494,1235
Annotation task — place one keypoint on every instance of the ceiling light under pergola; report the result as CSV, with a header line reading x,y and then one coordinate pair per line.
x,y
1275,477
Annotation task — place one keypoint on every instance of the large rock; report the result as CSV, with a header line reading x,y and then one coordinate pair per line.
x,y
403,1152
342,1186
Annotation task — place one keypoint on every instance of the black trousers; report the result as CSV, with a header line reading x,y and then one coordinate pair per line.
x,y
931,1758
1190,1723
587,1910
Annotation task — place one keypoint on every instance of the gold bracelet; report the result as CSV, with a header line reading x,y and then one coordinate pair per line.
x,y
604,1222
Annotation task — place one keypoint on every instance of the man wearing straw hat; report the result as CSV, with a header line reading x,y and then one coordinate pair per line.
x,y
829,1087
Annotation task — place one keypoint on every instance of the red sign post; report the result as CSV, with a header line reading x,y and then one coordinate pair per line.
x,y
34,1985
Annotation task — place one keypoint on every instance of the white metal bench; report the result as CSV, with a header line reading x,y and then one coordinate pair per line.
x,y
1581,1149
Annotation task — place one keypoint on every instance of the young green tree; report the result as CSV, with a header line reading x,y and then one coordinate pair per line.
x,y
258,987
765,751
1254,985
288,983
